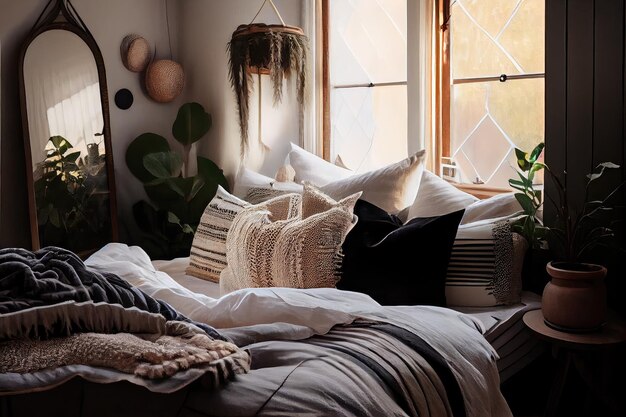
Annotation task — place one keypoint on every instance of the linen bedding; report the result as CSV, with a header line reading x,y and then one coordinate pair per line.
x,y
330,352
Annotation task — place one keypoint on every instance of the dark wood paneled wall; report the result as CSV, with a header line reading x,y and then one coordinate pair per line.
x,y
585,93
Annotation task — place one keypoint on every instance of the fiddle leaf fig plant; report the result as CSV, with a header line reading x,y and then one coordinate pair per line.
x,y
177,198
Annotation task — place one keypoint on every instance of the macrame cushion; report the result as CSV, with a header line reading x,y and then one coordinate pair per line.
x,y
208,250
273,245
485,267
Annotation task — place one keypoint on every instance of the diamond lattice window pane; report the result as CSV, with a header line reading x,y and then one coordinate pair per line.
x,y
369,126
474,53
526,46
368,41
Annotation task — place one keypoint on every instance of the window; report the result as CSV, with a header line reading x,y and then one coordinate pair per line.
x,y
495,96
367,62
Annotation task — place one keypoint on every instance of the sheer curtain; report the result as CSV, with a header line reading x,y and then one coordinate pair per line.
x,y
62,93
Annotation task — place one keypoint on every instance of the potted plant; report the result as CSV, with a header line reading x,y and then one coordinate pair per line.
x,y
575,298
178,196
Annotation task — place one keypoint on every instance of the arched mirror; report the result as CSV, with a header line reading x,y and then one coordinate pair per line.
x,y
67,136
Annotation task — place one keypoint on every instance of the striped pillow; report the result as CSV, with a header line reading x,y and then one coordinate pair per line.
x,y
485,267
208,250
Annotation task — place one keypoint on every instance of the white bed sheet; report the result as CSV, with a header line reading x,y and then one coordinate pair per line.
x,y
503,325
305,313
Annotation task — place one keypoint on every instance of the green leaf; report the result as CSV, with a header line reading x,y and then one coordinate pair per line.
x,y
55,218
72,157
143,145
191,123
522,162
535,153
526,203
60,144
188,229
174,186
163,164
172,218
210,172
198,183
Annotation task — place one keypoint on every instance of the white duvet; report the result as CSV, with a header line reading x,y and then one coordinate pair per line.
x,y
315,311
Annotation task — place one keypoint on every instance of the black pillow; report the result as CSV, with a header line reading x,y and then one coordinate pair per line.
x,y
398,264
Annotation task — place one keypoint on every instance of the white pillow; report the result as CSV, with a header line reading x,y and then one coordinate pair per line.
x,y
500,205
437,197
248,179
312,168
392,188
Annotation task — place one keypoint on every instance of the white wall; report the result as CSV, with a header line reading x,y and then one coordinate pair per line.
x,y
205,27
109,21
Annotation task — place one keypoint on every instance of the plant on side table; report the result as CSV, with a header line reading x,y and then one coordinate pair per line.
x,y
177,198
575,298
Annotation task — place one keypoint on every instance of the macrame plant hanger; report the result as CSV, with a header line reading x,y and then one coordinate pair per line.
x,y
275,50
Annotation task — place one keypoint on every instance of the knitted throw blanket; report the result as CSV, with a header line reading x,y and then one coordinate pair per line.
x,y
147,356
55,312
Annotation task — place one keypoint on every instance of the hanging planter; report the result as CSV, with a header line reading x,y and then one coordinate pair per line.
x,y
279,51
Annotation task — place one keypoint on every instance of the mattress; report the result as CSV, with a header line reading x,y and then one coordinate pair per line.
x,y
503,326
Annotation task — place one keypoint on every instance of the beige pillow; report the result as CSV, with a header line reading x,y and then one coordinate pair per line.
x,y
264,249
392,188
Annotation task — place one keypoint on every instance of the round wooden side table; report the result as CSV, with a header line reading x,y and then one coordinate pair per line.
x,y
566,346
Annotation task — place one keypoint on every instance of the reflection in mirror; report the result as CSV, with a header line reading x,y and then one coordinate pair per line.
x,y
67,146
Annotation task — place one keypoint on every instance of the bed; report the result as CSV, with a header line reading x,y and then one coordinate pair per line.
x,y
502,326
314,352
286,350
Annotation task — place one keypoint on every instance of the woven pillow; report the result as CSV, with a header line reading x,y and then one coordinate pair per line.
x,y
485,267
265,250
208,250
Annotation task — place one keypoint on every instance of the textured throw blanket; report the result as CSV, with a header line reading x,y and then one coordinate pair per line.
x,y
98,319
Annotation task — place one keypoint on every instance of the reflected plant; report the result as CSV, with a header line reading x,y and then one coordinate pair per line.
x,y
67,213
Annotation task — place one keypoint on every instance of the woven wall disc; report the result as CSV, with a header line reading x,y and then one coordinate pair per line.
x,y
135,52
165,80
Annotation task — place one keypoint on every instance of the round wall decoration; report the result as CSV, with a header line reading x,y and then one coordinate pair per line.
x,y
135,52
165,80
124,99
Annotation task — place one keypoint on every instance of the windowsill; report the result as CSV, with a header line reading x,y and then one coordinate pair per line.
x,y
480,190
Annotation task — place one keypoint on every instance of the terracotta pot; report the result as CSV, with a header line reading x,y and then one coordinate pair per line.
x,y
575,298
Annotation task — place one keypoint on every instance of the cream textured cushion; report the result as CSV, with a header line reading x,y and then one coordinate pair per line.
x,y
208,250
437,197
312,168
268,249
392,188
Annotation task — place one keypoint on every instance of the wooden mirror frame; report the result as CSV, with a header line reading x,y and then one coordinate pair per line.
x,y
63,16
